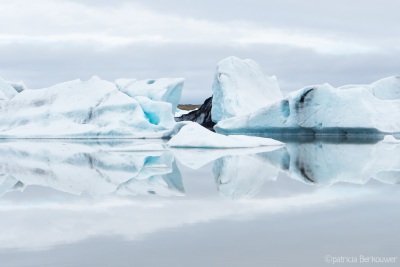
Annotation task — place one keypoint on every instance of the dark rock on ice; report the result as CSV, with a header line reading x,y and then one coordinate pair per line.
x,y
202,115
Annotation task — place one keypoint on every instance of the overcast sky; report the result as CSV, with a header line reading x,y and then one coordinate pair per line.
x,y
44,42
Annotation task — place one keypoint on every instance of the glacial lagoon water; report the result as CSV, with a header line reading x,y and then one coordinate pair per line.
x,y
104,203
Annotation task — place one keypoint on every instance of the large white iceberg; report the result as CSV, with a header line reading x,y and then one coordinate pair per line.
x,y
324,109
194,135
85,109
240,87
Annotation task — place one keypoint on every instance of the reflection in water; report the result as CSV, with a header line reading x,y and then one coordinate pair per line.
x,y
112,172
314,163
242,176
327,163
98,170
79,168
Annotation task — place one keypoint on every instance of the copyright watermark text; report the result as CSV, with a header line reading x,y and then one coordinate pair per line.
x,y
360,259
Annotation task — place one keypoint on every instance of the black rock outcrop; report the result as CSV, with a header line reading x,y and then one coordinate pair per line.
x,y
202,115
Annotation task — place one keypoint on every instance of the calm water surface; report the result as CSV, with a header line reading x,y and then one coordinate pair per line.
x,y
127,204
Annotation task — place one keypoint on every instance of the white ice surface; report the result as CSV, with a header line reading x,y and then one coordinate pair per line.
x,y
194,135
240,87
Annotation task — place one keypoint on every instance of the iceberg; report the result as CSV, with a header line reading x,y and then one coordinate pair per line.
x,y
87,109
193,135
241,87
323,109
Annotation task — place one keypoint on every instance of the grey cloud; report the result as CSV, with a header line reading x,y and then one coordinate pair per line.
x,y
368,19
41,65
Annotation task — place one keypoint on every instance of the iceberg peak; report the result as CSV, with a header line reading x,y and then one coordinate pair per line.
x,y
241,87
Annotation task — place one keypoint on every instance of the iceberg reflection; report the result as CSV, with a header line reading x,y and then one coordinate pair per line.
x,y
79,168
316,163
125,169
117,170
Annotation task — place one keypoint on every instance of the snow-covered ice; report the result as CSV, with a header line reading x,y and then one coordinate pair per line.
x,y
194,135
240,87
89,109
324,109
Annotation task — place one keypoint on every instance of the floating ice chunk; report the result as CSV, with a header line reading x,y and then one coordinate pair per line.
x,y
241,87
194,135
322,109
6,91
165,89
